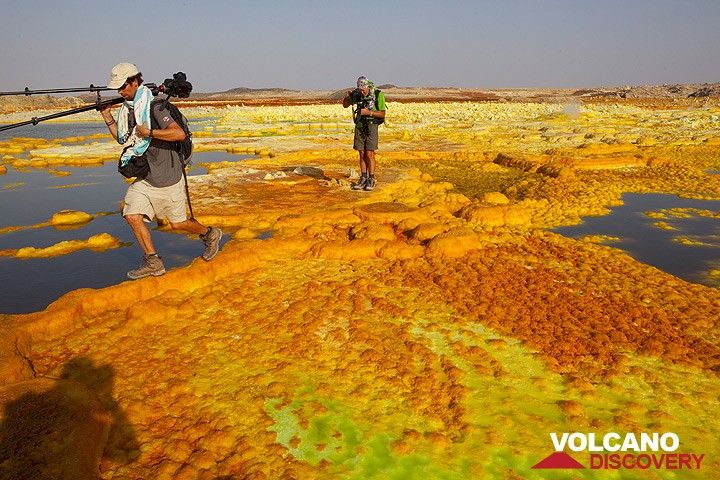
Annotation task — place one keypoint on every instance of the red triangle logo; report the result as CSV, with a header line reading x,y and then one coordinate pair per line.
x,y
559,460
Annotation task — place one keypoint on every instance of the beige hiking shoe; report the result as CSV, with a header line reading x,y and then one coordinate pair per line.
x,y
212,243
151,265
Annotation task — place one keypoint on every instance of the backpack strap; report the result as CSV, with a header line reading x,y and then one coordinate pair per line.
x,y
163,105
153,121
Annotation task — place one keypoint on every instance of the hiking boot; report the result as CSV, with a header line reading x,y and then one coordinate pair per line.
x,y
212,243
370,184
151,265
360,183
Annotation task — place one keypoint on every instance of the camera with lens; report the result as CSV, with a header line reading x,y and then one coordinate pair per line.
x,y
178,86
356,96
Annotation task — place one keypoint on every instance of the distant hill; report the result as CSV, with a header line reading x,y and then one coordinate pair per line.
x,y
246,90
653,91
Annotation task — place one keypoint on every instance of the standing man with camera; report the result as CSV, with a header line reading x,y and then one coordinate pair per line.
x,y
368,114
160,193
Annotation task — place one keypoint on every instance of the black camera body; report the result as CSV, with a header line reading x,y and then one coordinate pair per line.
x,y
356,96
360,101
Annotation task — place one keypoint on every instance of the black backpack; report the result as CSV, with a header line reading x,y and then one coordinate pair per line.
x,y
183,147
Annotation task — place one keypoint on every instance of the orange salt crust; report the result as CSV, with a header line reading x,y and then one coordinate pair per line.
x,y
431,326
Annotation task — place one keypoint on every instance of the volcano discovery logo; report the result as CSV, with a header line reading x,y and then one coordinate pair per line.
x,y
613,451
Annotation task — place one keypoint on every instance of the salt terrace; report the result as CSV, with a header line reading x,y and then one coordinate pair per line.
x,y
432,328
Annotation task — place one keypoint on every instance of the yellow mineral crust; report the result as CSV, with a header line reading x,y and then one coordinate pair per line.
x,y
664,226
70,217
431,328
714,275
600,239
683,213
693,242
62,220
21,145
495,197
98,243
496,215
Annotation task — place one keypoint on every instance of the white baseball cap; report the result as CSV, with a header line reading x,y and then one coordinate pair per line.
x,y
120,73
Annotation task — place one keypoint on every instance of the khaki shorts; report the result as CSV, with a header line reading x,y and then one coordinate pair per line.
x,y
366,139
165,203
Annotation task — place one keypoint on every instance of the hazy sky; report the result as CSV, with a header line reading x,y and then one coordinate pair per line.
x,y
313,44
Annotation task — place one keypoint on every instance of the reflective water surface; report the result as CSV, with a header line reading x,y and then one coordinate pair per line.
x,y
655,246
32,196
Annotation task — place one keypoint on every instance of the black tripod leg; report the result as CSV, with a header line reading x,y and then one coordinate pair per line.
x,y
187,193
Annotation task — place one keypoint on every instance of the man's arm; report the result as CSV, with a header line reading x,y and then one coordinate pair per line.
x,y
373,113
347,100
380,112
109,121
172,133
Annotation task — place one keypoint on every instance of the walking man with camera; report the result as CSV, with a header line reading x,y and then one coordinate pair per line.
x,y
368,114
160,193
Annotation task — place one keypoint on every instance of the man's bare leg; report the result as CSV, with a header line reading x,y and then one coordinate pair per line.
x,y
141,232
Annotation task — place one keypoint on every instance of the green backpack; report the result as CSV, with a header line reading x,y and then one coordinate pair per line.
x,y
378,121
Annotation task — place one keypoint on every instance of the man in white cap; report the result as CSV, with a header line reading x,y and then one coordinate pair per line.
x,y
160,193
369,114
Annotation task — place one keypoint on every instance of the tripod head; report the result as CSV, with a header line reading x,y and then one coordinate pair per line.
x,y
178,86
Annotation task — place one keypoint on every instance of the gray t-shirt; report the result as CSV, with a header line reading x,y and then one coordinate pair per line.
x,y
165,162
